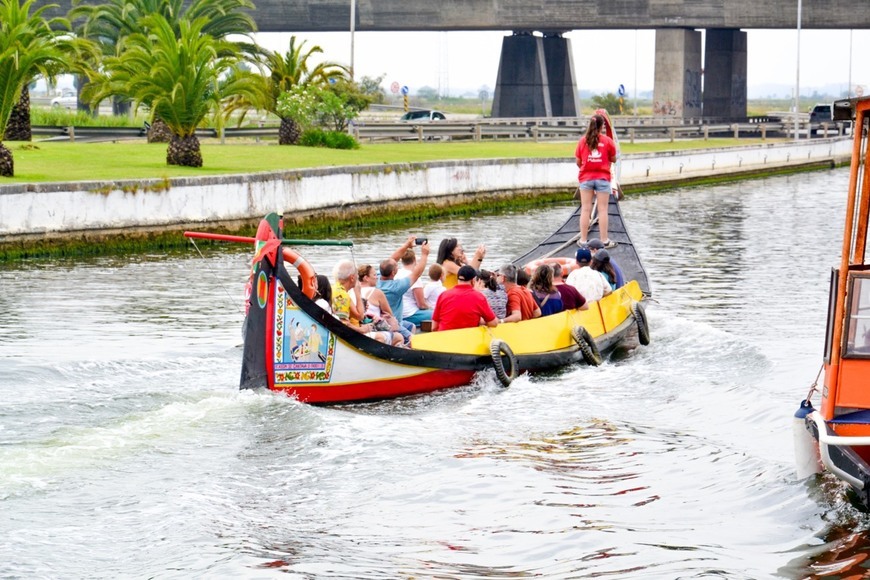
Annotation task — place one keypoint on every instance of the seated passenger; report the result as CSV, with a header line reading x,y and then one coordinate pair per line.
x,y
545,294
571,297
601,263
591,284
520,305
462,306
451,257
494,292
415,308
434,288
350,312
376,305
594,245
394,289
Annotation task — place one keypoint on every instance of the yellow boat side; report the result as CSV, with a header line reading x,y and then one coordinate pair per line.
x,y
545,334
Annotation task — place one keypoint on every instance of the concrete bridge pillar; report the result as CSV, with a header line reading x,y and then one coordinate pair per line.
x,y
535,77
725,74
677,91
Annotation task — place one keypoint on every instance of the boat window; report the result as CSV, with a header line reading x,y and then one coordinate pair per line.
x,y
858,316
832,306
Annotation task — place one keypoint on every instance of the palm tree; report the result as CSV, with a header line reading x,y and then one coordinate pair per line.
x,y
18,127
29,45
110,23
290,70
176,69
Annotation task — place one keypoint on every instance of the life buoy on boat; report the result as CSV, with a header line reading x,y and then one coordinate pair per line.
x,y
639,314
501,355
587,346
309,276
568,265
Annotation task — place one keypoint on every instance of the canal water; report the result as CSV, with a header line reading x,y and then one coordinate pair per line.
x,y
127,451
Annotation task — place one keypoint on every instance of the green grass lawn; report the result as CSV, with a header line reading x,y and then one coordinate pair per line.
x,y
63,161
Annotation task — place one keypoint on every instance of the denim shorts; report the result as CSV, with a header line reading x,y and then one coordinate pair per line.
x,y
597,185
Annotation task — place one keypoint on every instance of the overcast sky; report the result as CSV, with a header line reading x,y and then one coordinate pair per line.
x,y
467,61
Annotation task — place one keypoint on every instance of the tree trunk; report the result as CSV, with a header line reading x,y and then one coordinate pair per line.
x,y
184,151
7,167
289,132
18,128
159,132
81,81
120,106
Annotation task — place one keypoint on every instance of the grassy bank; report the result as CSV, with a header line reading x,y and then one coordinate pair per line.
x,y
63,161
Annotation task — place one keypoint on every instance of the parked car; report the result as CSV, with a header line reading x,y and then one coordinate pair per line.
x,y
423,115
65,101
821,113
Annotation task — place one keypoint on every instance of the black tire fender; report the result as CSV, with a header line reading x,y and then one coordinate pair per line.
x,y
503,361
587,346
639,313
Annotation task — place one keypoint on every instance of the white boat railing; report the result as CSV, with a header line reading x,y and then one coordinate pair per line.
x,y
826,439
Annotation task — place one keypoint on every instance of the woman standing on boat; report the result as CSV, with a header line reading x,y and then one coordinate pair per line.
x,y
595,152
451,257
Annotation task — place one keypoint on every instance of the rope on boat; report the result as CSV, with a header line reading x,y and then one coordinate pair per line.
x,y
593,219
814,386
219,282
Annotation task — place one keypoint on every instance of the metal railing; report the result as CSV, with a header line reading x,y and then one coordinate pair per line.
x,y
628,129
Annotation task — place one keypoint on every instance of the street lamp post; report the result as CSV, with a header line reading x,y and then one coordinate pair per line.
x,y
797,84
352,28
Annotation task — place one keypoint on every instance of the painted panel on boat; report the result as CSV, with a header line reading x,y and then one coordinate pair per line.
x,y
852,391
304,351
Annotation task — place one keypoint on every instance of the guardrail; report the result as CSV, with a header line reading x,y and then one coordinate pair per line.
x,y
477,130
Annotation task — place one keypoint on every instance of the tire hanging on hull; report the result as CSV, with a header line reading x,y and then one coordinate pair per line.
x,y
501,352
587,346
639,313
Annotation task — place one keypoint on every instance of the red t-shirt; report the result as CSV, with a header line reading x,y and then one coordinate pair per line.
x,y
520,298
595,164
461,307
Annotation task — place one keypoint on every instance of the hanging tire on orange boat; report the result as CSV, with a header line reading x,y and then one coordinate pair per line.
x,y
639,313
587,346
501,352
309,276
568,265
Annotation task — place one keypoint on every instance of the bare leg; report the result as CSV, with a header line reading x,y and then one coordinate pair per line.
x,y
585,213
603,201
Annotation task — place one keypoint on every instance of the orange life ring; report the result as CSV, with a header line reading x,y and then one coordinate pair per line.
x,y
309,276
568,265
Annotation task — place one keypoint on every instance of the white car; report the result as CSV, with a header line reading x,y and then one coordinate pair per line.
x,y
423,115
66,101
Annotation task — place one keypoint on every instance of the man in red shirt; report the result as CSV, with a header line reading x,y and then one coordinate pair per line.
x,y
521,305
462,306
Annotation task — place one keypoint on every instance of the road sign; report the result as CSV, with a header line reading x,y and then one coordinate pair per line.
x,y
394,88
405,89
621,90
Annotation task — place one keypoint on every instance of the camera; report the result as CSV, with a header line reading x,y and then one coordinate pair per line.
x,y
421,241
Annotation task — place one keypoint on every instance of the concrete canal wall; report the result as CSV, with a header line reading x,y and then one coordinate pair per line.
x,y
48,210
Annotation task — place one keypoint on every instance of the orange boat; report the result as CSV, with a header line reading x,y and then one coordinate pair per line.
x,y
836,436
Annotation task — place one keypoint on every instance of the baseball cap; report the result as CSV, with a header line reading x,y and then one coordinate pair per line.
x,y
583,256
595,244
466,273
602,256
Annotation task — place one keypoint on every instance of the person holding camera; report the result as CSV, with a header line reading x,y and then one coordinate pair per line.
x,y
394,289
451,256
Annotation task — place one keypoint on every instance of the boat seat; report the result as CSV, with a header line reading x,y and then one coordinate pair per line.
x,y
853,418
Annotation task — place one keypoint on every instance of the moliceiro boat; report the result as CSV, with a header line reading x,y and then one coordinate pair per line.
x,y
836,435
293,345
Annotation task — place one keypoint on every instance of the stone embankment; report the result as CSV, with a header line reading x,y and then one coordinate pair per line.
x,y
44,211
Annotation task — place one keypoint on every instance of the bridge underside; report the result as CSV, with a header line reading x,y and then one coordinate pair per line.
x,y
536,75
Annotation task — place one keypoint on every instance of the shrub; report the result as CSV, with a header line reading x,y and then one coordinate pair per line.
x,y
328,139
